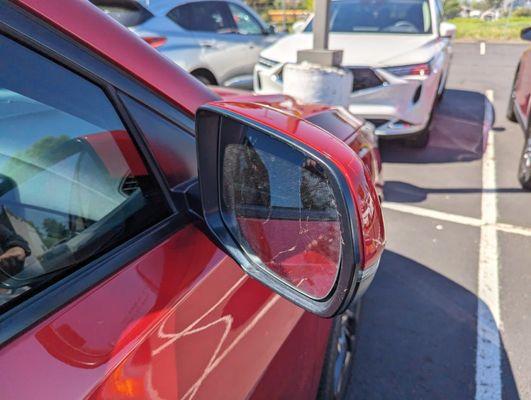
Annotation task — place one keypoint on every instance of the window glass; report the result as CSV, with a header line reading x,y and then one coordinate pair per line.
x,y
72,183
173,147
246,23
127,12
379,16
205,16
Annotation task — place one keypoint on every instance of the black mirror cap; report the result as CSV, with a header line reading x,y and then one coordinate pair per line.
x,y
353,276
525,34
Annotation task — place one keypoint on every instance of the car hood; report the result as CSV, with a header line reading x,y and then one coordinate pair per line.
x,y
360,49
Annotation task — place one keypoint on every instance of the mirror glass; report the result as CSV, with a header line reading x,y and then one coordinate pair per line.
x,y
280,207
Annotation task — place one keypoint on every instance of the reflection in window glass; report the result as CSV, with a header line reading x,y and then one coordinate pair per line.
x,y
72,183
280,206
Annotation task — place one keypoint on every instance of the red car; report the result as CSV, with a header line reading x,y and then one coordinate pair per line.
x,y
519,110
161,242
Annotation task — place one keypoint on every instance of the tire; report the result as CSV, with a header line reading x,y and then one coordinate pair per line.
x,y
421,139
510,114
339,360
524,167
204,76
441,91
203,79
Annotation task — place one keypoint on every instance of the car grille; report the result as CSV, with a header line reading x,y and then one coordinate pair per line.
x,y
364,78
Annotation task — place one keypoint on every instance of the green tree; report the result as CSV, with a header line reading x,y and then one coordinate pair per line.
x,y
55,231
30,161
452,8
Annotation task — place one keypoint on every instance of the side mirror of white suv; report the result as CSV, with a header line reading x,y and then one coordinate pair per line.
x,y
447,30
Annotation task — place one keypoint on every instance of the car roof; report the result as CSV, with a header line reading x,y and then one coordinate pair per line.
x,y
90,26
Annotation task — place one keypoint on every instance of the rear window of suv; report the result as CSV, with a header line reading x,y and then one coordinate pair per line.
x,y
127,12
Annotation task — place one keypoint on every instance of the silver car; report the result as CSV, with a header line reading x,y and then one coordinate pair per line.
x,y
217,41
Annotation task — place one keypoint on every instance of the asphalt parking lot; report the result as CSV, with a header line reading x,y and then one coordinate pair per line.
x,y
446,208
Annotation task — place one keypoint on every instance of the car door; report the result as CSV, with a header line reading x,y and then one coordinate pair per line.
x,y
253,33
223,50
125,295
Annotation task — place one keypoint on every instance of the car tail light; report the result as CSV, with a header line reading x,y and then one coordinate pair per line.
x,y
423,69
155,41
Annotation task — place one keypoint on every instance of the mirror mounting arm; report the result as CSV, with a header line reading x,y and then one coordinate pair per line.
x,y
188,197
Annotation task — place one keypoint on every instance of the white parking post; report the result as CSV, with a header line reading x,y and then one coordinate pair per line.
x,y
313,83
317,77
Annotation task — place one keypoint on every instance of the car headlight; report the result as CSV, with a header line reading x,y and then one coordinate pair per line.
x,y
266,62
423,69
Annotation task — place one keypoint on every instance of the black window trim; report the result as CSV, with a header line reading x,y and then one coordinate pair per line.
x,y
19,25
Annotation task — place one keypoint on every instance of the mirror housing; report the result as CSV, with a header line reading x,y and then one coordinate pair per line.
x,y
525,34
298,26
271,29
290,203
447,30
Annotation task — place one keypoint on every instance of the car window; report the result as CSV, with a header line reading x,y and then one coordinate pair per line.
x,y
379,16
72,183
127,12
246,23
204,16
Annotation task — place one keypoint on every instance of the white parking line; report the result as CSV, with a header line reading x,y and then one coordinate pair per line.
x,y
455,218
488,352
482,48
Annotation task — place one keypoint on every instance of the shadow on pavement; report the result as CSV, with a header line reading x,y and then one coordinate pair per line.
x,y
402,192
457,132
417,337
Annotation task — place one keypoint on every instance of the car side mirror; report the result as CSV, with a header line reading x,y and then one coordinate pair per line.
x,y
291,204
298,26
271,30
525,34
447,30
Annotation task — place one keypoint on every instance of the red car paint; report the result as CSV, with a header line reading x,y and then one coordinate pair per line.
x,y
183,320
336,120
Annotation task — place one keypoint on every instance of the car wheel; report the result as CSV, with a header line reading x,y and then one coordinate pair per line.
x,y
204,76
511,116
339,359
420,140
524,169
441,91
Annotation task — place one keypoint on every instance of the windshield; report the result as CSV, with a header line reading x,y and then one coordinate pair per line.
x,y
379,16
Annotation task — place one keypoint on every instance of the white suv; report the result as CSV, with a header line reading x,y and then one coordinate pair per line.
x,y
399,52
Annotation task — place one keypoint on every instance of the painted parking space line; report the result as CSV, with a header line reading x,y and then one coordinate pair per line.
x,y
482,48
454,218
488,352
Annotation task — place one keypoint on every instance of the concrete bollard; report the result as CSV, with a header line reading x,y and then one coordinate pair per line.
x,y
312,83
